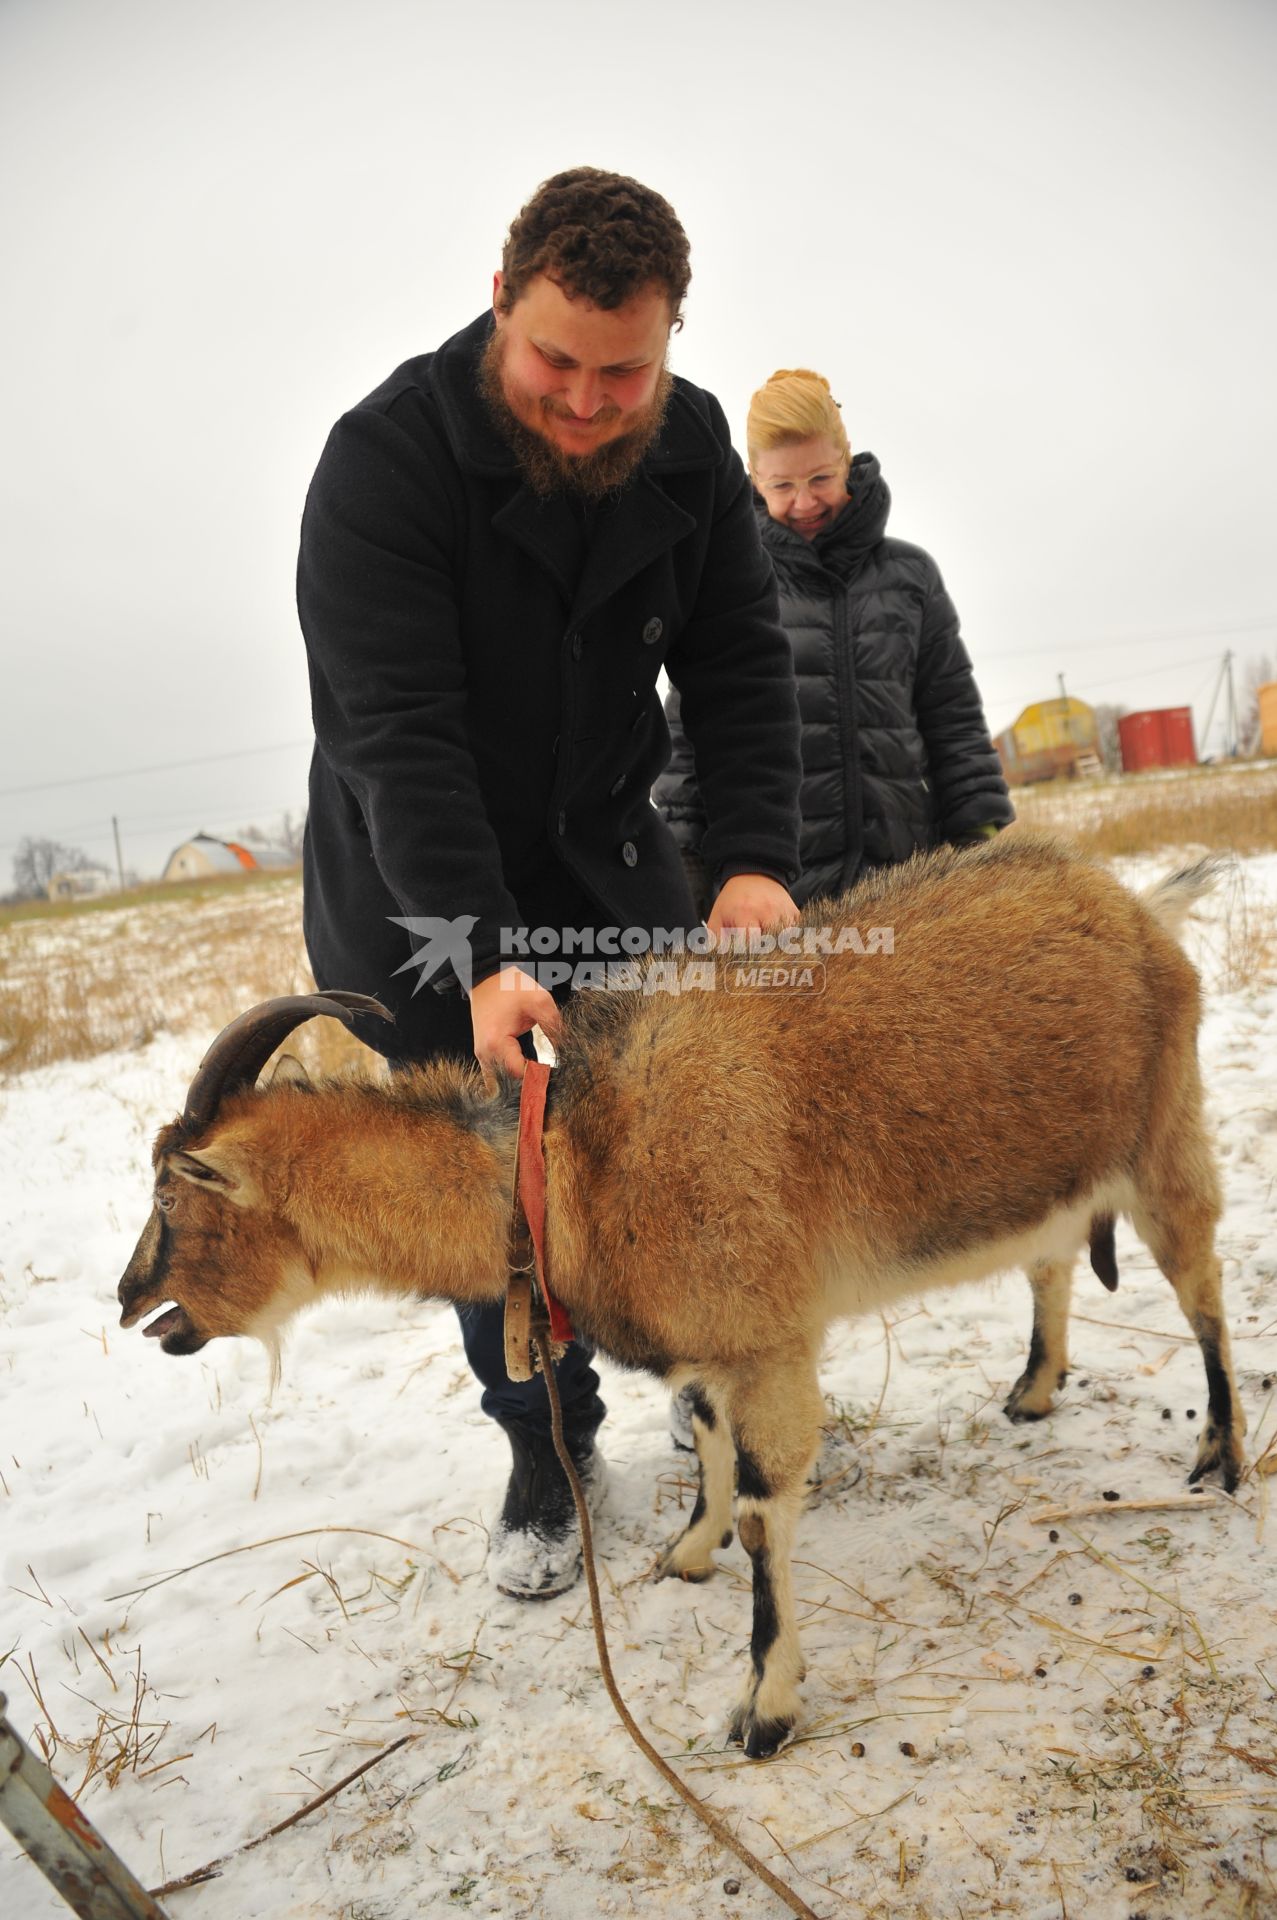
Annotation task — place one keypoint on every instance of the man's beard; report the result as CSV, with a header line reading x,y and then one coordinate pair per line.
x,y
546,467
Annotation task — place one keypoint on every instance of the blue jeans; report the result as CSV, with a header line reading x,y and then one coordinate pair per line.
x,y
525,1403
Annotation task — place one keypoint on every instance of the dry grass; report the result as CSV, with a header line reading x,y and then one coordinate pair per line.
x,y
147,893
81,979
1219,809
121,1738
1246,952
1226,810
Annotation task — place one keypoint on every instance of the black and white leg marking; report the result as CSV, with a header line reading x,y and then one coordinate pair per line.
x,y
1048,1363
691,1557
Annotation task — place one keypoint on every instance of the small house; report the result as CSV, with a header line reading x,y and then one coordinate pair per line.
x,y
79,883
1051,740
204,856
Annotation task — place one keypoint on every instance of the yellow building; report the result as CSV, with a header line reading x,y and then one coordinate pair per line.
x,y
1050,739
1268,718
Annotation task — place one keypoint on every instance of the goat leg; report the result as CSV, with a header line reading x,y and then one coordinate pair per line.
x,y
1176,1218
776,1419
691,1556
1220,1448
1045,1369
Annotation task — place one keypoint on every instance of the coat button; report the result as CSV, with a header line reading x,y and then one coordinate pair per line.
x,y
576,646
616,786
629,853
563,822
653,630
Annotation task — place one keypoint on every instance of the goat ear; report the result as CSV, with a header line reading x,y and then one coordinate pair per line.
x,y
288,1071
209,1169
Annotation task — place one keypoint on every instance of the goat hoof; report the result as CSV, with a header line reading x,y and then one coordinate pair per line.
x,y
1018,1405
767,1737
760,1738
1218,1453
668,1567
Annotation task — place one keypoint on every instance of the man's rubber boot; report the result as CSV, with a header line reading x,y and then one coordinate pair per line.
x,y
536,1544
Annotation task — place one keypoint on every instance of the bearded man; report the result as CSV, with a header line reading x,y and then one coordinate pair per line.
x,y
502,547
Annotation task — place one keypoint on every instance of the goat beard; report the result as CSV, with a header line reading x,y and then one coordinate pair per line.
x,y
545,466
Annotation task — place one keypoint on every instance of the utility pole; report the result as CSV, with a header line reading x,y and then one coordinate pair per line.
x,y
1230,718
119,857
1064,709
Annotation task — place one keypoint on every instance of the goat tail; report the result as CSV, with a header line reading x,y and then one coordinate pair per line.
x,y
1173,899
1103,1251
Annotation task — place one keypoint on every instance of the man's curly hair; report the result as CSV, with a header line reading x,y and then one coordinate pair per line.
x,y
599,236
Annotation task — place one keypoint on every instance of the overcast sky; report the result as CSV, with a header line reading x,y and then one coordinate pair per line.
x,y
1031,243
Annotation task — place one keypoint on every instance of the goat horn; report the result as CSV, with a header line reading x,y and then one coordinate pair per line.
x,y
241,1050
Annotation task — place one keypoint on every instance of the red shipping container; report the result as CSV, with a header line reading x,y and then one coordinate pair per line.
x,y
1162,738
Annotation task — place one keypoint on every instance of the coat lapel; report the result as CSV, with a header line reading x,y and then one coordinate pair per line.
x,y
644,524
546,531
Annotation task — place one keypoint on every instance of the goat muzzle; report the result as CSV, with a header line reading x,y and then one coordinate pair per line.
x,y
175,1331
143,1290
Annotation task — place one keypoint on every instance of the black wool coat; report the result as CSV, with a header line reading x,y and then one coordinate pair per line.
x,y
483,667
896,750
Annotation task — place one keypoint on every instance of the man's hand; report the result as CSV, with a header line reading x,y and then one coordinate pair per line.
x,y
750,902
502,1007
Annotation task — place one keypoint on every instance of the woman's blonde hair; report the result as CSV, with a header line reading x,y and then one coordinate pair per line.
x,y
796,404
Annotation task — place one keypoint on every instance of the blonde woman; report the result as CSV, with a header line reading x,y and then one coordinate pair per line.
x,y
896,751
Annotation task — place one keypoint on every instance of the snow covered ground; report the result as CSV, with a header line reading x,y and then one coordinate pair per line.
x,y
215,1604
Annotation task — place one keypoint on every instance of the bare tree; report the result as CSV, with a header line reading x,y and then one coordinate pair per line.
x,y
36,862
1107,740
1259,671
291,829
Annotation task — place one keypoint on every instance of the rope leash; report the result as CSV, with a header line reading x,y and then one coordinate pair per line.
x,y
704,1814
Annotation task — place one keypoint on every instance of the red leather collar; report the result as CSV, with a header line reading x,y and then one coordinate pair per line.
x,y
530,1184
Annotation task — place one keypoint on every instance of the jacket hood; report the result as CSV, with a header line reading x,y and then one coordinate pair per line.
x,y
841,548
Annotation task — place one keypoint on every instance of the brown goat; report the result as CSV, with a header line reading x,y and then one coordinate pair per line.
x,y
728,1172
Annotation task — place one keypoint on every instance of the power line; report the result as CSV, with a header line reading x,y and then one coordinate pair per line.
x,y
1194,633
1150,673
219,807
1052,649
98,832
170,766
1090,687
1065,649
1200,691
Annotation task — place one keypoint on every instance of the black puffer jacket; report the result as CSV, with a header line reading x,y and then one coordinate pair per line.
x,y
896,751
